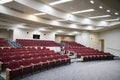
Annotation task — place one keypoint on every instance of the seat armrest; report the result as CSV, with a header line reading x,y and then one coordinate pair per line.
x,y
8,74
1,63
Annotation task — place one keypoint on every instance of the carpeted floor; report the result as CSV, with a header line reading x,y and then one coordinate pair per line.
x,y
1,78
92,70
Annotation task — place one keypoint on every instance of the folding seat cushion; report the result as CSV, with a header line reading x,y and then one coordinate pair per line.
x,y
13,70
84,58
17,58
57,60
26,66
35,55
26,56
5,60
57,53
67,59
78,55
102,57
98,57
44,62
109,56
1,55
94,57
105,57
62,59
36,64
9,54
90,57
51,61
52,51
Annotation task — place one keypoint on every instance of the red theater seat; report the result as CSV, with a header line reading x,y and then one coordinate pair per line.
x,y
13,70
37,66
44,63
26,66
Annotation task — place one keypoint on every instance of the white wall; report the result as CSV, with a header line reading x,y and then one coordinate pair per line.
x,y
94,40
112,41
83,38
7,34
86,38
11,35
59,38
22,34
89,39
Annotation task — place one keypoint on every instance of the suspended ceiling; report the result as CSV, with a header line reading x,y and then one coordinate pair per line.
x,y
23,12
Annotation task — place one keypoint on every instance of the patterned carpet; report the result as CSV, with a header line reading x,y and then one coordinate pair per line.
x,y
92,70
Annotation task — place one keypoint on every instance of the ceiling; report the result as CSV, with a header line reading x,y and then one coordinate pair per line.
x,y
23,12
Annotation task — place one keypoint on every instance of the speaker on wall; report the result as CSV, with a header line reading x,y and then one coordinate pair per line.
x,y
36,36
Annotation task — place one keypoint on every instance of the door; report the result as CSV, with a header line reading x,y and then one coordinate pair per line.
x,y
102,44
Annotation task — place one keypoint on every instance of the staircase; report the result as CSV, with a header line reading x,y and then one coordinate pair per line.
x,y
14,44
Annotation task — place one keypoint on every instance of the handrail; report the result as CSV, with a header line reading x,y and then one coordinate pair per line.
x,y
114,49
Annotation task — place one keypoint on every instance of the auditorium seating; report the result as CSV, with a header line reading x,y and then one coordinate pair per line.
x,y
37,64
26,60
71,43
22,61
28,42
26,66
96,56
86,53
13,70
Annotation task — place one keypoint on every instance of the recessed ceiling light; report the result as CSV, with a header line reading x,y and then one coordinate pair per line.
x,y
59,2
100,7
112,19
5,1
59,31
102,23
94,17
83,11
86,21
73,26
91,1
116,13
42,29
75,32
89,27
39,14
108,10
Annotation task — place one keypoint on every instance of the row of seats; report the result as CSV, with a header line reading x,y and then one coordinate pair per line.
x,y
21,61
10,49
82,50
26,66
96,56
9,58
32,49
71,43
86,53
28,42
20,53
